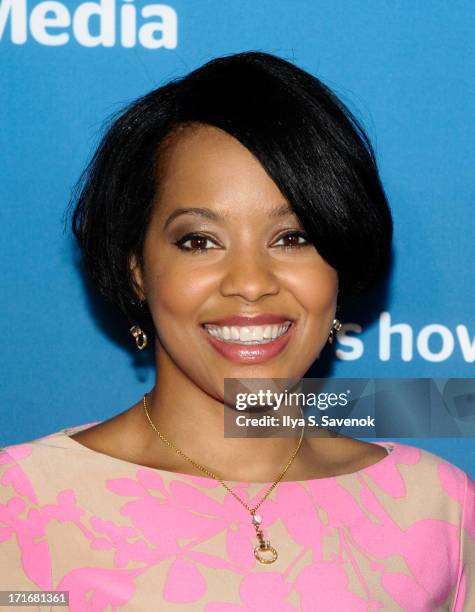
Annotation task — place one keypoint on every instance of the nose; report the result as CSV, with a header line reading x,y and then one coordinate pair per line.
x,y
249,275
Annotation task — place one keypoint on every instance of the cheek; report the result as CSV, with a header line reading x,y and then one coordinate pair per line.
x,y
175,293
315,287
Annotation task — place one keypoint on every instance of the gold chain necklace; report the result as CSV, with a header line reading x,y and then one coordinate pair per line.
x,y
263,549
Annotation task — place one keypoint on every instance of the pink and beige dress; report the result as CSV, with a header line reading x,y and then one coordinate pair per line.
x,y
396,536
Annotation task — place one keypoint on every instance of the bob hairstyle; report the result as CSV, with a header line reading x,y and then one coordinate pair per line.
x,y
307,140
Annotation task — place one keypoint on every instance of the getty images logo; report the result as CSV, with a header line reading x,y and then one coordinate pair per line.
x,y
103,23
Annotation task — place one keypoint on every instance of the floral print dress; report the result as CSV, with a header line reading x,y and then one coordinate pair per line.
x,y
398,535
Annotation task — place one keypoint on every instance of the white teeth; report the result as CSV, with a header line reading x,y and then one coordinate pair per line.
x,y
268,331
247,333
250,334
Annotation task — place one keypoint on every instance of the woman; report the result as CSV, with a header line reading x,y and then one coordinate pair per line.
x,y
230,214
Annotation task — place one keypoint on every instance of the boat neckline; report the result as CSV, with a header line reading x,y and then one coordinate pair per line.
x,y
389,445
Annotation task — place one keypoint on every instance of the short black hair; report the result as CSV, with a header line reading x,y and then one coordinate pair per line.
x,y
307,140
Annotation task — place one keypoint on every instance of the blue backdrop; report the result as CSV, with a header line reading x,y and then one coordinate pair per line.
x,y
404,68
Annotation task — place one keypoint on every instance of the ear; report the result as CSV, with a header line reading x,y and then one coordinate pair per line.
x,y
137,277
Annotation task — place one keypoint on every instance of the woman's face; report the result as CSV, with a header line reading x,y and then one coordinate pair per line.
x,y
249,258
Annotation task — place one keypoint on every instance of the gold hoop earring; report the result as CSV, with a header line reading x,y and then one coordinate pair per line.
x,y
336,326
140,336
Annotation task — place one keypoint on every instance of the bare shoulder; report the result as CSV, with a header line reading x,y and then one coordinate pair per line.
x,y
342,455
115,437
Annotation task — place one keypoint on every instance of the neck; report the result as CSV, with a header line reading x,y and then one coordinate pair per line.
x,y
193,421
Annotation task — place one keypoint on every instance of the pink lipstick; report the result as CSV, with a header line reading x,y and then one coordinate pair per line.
x,y
245,339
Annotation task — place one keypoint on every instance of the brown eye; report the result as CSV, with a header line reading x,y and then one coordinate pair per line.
x,y
197,242
294,240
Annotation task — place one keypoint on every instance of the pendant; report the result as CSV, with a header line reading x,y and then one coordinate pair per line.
x,y
264,552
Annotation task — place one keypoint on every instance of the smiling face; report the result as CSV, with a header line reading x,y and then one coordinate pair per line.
x,y
243,252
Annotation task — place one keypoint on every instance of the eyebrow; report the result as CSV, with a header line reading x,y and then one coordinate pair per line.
x,y
212,215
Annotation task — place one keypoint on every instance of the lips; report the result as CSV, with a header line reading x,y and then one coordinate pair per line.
x,y
252,353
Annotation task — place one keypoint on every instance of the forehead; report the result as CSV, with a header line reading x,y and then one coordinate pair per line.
x,y
201,165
